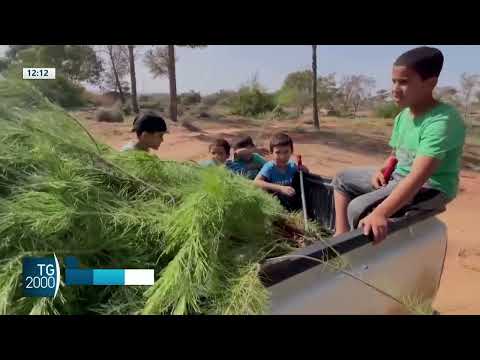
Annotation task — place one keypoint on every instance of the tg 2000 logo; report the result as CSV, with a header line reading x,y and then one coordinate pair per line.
x,y
41,276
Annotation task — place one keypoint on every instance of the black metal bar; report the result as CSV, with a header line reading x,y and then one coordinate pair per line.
x,y
275,272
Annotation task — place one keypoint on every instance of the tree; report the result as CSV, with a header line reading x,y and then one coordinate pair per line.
x,y
172,80
118,68
300,80
76,62
355,90
327,90
156,60
172,77
12,51
316,121
133,78
294,97
448,94
469,83
297,90
161,61
382,95
4,62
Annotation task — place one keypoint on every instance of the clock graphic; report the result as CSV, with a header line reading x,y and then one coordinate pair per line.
x,y
39,73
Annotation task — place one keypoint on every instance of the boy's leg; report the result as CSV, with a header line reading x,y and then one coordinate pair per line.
x,y
359,206
348,185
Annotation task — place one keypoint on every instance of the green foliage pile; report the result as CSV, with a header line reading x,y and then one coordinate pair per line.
x,y
204,231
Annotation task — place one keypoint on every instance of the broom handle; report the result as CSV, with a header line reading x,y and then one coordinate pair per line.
x,y
302,190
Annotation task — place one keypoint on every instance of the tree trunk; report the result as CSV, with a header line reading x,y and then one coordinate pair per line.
x,y
173,82
316,121
356,106
115,73
133,79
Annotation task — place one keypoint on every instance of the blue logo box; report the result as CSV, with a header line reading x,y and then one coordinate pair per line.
x,y
41,276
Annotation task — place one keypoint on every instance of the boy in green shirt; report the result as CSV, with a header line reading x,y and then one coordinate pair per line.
x,y
427,140
150,129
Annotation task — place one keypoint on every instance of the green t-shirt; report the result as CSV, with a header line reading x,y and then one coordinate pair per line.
x,y
248,169
439,133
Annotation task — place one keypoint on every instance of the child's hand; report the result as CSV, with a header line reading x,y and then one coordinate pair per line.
x,y
287,190
378,180
377,224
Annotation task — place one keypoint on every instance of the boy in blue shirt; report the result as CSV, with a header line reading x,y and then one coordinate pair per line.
x,y
277,175
246,161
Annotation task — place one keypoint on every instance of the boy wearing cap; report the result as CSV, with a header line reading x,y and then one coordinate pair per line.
x,y
150,129
427,139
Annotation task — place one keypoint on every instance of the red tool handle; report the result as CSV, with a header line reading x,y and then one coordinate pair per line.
x,y
388,170
299,161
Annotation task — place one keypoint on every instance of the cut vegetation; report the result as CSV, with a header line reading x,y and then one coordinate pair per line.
x,y
203,231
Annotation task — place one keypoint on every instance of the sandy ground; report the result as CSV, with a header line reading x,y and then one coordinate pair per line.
x,y
326,152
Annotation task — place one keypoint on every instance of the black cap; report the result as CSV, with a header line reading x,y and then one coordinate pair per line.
x,y
149,122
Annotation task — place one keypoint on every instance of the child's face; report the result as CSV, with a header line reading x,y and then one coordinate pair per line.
x,y
409,88
245,153
282,154
219,155
151,140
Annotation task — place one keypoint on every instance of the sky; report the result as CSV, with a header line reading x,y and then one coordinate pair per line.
x,y
229,66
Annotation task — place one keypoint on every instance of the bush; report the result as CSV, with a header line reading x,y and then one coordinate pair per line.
x,y
223,97
280,113
190,98
252,102
294,97
109,115
60,91
151,105
387,111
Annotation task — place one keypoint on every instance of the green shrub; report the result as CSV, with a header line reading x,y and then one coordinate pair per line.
x,y
294,97
280,113
60,91
190,98
387,111
222,97
109,115
252,102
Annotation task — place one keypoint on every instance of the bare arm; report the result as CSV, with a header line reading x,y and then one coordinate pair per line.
x,y
423,167
261,183
378,180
